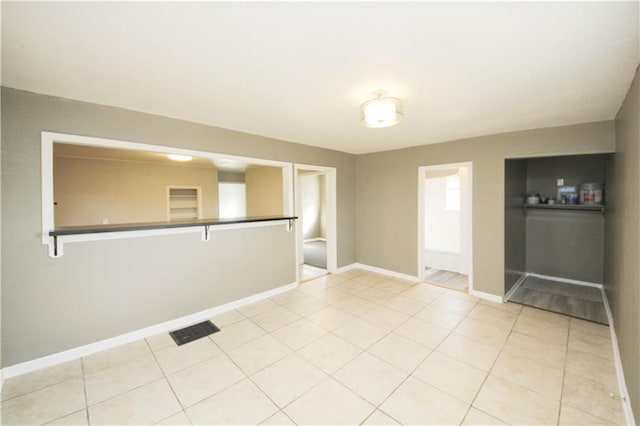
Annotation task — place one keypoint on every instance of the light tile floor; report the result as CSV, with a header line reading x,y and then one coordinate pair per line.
x,y
353,348
308,272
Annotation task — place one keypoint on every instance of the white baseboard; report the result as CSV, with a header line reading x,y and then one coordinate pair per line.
x,y
71,354
310,240
406,277
515,287
382,271
346,268
486,296
622,384
565,280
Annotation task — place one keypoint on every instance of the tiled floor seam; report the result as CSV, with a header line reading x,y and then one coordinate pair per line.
x,y
564,372
84,390
489,374
248,377
84,387
166,379
409,375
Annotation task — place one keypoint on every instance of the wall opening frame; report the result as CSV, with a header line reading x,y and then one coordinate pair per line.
x,y
330,174
421,216
48,217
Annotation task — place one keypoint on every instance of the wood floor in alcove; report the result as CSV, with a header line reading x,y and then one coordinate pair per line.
x,y
575,300
444,278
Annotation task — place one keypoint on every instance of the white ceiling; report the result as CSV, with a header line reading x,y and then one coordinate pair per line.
x,y
299,71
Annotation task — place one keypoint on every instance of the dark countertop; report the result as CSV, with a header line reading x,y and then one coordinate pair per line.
x,y
144,226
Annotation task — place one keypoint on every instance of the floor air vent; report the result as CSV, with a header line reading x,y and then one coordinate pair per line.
x,y
193,332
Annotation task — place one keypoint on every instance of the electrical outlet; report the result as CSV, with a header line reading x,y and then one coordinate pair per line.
x,y
105,220
560,182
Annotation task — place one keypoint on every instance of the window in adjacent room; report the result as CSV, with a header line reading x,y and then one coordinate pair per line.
x,y
453,193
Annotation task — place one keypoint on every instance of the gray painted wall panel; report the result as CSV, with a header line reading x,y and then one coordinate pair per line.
x,y
542,173
560,243
102,289
565,244
622,244
514,222
387,194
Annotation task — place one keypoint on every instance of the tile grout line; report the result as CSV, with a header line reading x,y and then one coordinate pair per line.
x,y
491,368
84,387
166,380
366,350
248,377
564,373
331,374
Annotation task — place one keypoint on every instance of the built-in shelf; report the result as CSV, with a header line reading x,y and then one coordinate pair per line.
x,y
147,226
572,207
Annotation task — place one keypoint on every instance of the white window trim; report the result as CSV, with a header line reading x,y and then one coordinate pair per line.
x,y
48,220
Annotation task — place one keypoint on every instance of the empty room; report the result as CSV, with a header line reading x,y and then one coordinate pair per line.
x,y
372,213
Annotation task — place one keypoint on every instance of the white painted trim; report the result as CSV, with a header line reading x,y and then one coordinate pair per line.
x,y
71,354
382,271
622,385
48,138
486,296
331,189
310,240
46,151
565,280
421,213
287,190
455,253
515,287
346,268
78,238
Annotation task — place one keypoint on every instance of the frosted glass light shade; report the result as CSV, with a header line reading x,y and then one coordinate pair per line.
x,y
178,157
381,111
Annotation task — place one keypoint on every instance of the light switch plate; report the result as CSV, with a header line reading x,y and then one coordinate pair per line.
x,y
560,182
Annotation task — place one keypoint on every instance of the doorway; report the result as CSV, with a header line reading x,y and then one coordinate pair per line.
x,y
445,225
316,226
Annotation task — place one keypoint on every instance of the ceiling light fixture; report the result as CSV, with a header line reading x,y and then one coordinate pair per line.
x,y
381,111
178,157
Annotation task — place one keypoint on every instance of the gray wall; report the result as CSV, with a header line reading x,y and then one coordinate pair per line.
x,y
561,243
515,188
565,244
387,194
622,243
542,173
102,289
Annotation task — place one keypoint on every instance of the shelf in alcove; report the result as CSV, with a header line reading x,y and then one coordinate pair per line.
x,y
566,207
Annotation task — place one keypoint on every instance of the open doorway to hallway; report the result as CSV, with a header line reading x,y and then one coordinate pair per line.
x,y
445,225
316,232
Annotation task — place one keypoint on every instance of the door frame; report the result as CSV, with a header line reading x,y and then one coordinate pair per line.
x,y
331,214
421,215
